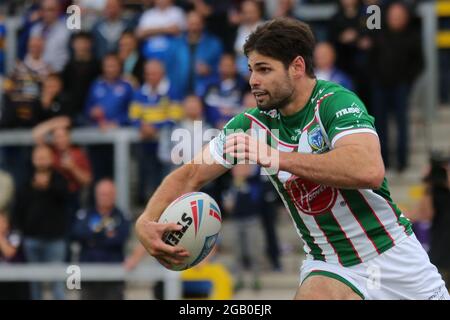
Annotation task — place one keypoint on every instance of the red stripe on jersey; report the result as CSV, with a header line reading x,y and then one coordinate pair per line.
x,y
359,222
384,228
345,234
328,240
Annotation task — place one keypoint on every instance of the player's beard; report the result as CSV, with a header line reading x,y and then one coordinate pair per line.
x,y
276,98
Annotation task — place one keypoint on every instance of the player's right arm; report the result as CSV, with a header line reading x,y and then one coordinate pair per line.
x,y
188,178
205,167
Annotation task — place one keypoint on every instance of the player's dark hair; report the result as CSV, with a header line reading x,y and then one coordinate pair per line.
x,y
283,39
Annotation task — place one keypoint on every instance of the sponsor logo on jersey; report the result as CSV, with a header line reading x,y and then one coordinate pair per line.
x,y
309,197
353,109
364,126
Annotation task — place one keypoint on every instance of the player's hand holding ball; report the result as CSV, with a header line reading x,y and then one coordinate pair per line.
x,y
151,236
186,232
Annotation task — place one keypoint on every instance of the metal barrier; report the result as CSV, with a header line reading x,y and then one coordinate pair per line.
x,y
120,138
431,73
94,272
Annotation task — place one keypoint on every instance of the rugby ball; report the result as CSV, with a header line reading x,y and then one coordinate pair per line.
x,y
201,219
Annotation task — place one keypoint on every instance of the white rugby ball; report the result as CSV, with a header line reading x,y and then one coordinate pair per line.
x,y
201,219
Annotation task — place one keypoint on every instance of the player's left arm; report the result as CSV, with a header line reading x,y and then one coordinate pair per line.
x,y
354,163
354,160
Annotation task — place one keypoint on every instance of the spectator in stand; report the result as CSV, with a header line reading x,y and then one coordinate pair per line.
x,y
91,6
22,110
280,8
431,216
30,17
102,233
55,33
79,73
23,88
108,30
269,205
107,108
217,18
11,252
223,96
132,60
346,29
7,187
54,101
69,160
21,105
90,11
135,9
181,152
158,27
40,215
396,61
155,105
251,16
242,203
73,164
109,96
10,242
196,55
439,195
325,69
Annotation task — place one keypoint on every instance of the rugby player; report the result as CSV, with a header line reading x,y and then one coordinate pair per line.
x,y
329,174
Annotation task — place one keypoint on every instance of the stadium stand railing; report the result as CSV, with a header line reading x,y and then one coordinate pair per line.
x,y
120,138
93,272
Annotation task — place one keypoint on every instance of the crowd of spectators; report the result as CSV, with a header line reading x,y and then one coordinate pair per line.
x,y
157,66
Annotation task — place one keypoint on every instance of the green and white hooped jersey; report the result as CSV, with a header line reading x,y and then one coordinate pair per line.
x,y
339,226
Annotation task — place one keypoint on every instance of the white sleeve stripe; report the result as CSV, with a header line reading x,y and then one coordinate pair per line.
x,y
317,115
351,131
217,157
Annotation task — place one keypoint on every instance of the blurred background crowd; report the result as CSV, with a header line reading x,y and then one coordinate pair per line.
x,y
158,65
